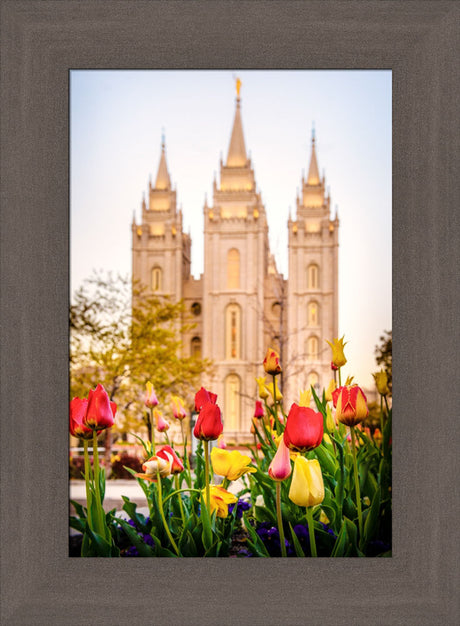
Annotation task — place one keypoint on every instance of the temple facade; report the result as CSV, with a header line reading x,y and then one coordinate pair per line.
x,y
242,304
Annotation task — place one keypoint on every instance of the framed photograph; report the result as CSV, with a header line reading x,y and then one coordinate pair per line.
x,y
42,45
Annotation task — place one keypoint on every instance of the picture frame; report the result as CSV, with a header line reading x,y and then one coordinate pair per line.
x,y
41,42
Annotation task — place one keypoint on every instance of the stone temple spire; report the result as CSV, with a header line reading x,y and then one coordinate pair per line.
x,y
313,172
237,150
163,181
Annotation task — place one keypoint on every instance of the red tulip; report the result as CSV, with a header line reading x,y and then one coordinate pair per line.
x,y
77,413
168,454
259,410
202,397
351,405
100,412
304,429
209,423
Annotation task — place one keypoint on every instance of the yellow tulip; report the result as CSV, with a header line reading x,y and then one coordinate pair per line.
x,y
269,388
263,393
307,487
329,390
381,382
219,500
305,398
231,465
338,357
330,424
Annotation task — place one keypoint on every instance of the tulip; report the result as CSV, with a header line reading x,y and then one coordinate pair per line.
x,y
150,399
220,498
271,389
221,443
378,436
77,412
259,410
305,398
351,405
338,357
381,382
329,390
168,454
155,465
100,412
330,424
202,397
161,423
272,362
280,467
304,429
307,487
230,465
209,423
263,393
178,408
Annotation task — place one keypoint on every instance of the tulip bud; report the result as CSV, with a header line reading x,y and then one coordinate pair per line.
x,y
378,435
307,486
161,424
329,390
221,443
209,423
259,410
272,362
351,405
100,412
280,467
178,408
263,393
381,382
230,465
150,399
338,357
168,454
304,429
305,398
77,413
202,397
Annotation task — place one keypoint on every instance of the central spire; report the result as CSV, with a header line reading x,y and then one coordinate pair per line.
x,y
313,172
237,150
163,181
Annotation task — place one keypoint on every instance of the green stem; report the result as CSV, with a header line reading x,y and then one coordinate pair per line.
x,y
386,404
181,506
206,465
280,518
357,489
100,510
311,531
162,513
179,491
381,415
87,482
275,412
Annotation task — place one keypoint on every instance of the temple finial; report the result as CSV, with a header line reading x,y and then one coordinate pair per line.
x,y
238,88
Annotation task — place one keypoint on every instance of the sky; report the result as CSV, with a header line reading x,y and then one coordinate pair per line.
x,y
117,119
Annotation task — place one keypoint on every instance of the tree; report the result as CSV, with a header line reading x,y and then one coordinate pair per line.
x,y
383,354
122,342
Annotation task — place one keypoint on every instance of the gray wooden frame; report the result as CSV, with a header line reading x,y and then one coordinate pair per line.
x,y
41,41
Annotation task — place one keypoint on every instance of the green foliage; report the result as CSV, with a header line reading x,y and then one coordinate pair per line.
x,y
384,355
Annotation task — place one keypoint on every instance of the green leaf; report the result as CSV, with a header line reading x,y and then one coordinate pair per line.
x,y
81,511
141,546
206,523
341,542
295,541
261,549
326,460
262,514
78,524
101,545
372,519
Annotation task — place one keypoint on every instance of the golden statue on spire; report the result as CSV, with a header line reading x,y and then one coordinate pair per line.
x,y
238,87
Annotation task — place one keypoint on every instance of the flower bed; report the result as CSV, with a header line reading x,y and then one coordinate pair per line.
x,y
316,482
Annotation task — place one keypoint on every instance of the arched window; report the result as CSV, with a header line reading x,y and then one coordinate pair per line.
x,y
313,381
313,314
156,279
233,332
312,348
232,402
195,348
313,276
233,269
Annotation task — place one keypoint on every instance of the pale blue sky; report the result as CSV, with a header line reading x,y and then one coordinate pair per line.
x,y
116,122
